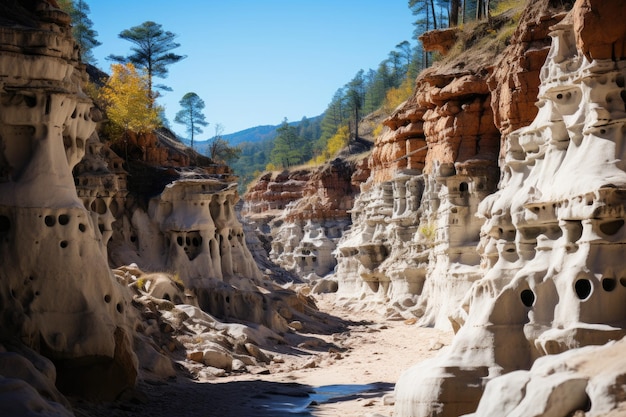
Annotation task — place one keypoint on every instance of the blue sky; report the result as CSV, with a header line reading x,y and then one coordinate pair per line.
x,y
255,62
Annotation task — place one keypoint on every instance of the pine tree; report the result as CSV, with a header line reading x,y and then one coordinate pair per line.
x,y
355,94
152,51
289,149
191,114
82,27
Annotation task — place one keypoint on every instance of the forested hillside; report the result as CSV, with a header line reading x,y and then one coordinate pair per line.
x,y
381,89
269,147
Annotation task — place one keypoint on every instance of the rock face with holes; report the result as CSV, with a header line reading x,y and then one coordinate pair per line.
x,y
552,249
57,294
411,249
304,213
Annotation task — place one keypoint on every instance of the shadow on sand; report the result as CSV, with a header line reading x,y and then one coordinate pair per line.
x,y
229,399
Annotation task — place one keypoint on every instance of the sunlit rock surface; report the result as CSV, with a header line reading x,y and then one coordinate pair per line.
x,y
411,249
551,245
50,302
303,214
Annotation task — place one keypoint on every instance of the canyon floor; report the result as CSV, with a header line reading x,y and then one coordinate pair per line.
x,y
346,374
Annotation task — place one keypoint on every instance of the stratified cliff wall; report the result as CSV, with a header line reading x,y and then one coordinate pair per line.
x,y
552,248
411,249
301,214
71,207
49,302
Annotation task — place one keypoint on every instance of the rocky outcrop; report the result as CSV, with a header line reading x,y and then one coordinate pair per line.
x,y
599,29
304,213
514,83
50,302
440,40
411,249
551,246
68,324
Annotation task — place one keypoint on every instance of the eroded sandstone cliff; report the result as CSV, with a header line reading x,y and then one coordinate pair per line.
x,y
551,245
50,302
303,213
70,207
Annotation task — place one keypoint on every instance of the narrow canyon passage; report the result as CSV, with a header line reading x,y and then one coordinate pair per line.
x,y
356,368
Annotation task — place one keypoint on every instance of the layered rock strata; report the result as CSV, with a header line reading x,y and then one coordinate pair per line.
x,y
551,245
50,301
411,249
303,214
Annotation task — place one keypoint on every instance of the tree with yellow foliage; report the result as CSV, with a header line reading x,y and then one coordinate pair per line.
x,y
128,101
336,143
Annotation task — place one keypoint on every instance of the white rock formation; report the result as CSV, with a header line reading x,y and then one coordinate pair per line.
x,y
50,299
411,249
306,247
551,245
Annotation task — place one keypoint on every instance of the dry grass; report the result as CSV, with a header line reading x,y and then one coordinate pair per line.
x,y
479,42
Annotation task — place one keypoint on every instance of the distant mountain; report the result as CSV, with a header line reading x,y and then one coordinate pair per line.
x,y
255,134
252,135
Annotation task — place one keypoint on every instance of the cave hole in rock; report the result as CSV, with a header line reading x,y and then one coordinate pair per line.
x,y
612,227
101,228
119,307
63,219
63,244
575,230
179,240
107,298
67,141
463,187
228,299
30,101
5,224
528,297
187,241
115,208
74,113
166,296
99,206
82,227
583,288
609,284
133,238
49,221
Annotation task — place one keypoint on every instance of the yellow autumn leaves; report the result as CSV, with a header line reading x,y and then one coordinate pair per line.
x,y
128,100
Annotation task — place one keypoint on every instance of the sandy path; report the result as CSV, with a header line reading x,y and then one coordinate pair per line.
x,y
375,352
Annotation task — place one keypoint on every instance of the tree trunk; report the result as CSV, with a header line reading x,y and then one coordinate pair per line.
x,y
454,13
432,8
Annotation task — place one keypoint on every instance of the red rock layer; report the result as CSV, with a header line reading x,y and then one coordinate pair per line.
x,y
449,119
157,149
440,40
514,82
600,29
325,192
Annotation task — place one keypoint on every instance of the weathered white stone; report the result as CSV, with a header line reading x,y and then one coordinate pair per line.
x,y
551,245
58,295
